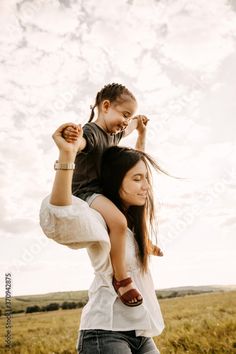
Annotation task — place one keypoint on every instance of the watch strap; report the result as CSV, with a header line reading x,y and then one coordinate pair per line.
x,y
64,166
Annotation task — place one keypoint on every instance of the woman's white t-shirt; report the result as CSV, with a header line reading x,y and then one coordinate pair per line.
x,y
79,226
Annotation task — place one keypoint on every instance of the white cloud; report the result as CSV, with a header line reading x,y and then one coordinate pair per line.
x,y
187,41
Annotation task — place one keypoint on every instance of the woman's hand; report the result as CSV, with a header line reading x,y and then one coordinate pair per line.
x,y
71,145
157,251
154,249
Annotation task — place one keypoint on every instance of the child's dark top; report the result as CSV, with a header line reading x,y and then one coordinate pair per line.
x,y
87,163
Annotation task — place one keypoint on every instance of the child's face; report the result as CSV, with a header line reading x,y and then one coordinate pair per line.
x,y
117,116
135,186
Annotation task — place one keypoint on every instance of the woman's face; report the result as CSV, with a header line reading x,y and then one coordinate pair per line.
x,y
135,186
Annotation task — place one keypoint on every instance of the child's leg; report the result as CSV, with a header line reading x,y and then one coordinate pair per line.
x,y
117,225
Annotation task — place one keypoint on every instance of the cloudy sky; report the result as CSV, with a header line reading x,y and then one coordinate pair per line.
x,y
179,59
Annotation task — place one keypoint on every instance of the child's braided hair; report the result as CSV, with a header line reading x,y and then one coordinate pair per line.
x,y
111,92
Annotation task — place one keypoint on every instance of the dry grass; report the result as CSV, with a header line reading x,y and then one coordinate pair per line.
x,y
197,324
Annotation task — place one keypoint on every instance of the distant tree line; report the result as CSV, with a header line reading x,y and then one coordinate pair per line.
x,y
172,294
168,296
66,305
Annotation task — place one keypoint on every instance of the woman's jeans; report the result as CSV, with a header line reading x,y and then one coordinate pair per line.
x,y
98,341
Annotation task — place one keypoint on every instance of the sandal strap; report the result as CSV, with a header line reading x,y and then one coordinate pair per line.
x,y
130,295
121,283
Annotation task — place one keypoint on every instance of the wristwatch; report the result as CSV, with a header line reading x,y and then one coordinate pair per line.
x,y
64,166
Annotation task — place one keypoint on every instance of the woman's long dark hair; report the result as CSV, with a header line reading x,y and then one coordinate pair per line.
x,y
116,162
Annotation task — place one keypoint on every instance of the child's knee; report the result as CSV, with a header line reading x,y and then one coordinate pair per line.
x,y
122,223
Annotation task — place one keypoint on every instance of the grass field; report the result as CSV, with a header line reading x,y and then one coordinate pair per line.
x,y
204,323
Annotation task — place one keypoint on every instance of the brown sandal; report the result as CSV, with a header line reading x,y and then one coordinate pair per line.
x,y
129,295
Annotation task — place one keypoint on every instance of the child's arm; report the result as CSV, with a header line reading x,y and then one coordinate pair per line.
x,y
141,128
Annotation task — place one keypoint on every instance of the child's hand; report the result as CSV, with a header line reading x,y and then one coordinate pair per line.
x,y
70,133
73,144
141,123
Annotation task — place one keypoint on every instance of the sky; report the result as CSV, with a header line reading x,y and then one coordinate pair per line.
x,y
179,60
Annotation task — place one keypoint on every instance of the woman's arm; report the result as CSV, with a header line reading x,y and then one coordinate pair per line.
x,y
61,192
70,221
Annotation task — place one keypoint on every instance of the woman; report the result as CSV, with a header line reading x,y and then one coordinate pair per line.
x,y
106,326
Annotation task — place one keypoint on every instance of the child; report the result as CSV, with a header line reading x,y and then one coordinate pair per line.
x,y
116,107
